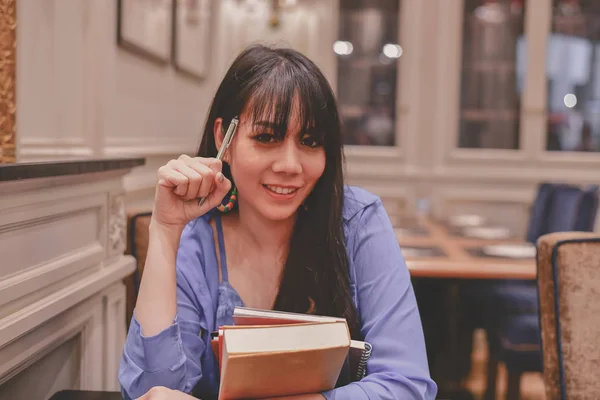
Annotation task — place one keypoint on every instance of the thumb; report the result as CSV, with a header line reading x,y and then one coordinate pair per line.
x,y
222,186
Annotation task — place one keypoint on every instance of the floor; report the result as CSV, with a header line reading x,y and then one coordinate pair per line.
x,y
532,384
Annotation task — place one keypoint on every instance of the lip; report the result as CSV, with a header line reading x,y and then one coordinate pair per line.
x,y
281,196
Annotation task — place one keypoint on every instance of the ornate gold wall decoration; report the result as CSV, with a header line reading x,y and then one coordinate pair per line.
x,y
8,60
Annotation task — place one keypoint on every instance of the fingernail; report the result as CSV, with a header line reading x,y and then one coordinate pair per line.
x,y
221,177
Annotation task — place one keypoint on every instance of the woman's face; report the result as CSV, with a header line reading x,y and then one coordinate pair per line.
x,y
273,176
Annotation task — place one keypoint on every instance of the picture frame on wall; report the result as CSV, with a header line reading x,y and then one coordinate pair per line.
x,y
191,37
144,27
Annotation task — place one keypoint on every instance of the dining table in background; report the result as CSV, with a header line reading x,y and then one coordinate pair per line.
x,y
442,261
447,254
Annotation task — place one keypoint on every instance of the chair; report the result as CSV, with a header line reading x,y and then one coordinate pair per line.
x,y
539,212
589,206
569,285
138,224
513,305
566,209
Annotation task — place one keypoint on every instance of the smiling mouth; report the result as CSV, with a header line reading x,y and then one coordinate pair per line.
x,y
280,190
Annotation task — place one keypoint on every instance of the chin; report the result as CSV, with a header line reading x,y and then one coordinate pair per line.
x,y
279,213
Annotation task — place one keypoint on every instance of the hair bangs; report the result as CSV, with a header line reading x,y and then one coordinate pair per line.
x,y
290,98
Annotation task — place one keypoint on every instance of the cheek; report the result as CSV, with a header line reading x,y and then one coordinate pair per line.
x,y
314,168
246,165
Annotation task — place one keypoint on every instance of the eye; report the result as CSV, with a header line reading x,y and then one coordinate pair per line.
x,y
311,141
265,138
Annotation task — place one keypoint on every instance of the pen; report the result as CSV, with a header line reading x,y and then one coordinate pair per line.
x,y
224,146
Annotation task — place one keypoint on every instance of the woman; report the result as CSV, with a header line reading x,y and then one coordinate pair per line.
x,y
291,237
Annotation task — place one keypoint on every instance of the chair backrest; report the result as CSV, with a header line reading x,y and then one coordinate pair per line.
x,y
565,208
137,245
540,210
568,281
588,210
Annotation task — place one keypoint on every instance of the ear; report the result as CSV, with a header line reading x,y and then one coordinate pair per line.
x,y
219,134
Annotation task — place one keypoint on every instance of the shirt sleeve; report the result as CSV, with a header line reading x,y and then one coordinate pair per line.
x,y
172,357
390,320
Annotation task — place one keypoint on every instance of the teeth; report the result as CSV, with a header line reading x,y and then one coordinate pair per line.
x,y
281,190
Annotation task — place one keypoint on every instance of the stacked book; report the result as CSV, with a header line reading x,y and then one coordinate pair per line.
x,y
271,353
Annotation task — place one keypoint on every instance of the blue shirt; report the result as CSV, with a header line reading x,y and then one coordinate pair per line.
x,y
180,357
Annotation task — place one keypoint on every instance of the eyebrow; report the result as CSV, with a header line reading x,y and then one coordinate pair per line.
x,y
268,124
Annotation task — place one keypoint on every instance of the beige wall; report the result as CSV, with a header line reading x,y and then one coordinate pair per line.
x,y
81,95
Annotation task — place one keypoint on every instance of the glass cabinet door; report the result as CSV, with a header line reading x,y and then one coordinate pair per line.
x,y
368,52
492,73
573,76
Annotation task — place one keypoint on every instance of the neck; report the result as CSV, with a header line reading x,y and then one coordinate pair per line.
x,y
261,233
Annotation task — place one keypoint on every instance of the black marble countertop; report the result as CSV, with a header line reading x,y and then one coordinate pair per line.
x,y
19,171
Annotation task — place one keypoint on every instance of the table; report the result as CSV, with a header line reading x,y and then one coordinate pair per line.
x,y
439,280
86,395
457,262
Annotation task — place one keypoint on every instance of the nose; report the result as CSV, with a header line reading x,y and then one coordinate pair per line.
x,y
288,159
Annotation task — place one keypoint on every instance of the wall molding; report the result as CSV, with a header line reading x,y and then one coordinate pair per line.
x,y
34,345
50,273
114,308
33,315
147,150
30,153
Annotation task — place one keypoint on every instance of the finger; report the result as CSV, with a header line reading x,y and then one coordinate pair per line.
x,y
222,187
208,184
217,167
215,164
169,170
211,162
195,179
208,177
170,178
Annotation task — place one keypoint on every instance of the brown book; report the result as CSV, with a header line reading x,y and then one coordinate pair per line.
x,y
260,361
359,351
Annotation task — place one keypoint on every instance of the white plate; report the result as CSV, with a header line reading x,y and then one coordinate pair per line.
x,y
417,252
466,220
487,232
510,250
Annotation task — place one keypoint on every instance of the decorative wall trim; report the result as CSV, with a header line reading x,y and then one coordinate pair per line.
x,y
114,309
43,153
51,142
8,60
29,317
38,278
117,220
62,306
80,321
35,148
148,150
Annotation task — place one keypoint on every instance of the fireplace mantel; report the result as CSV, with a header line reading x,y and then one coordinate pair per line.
x,y
62,262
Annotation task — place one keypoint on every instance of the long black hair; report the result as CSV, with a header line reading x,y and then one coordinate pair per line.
x,y
269,84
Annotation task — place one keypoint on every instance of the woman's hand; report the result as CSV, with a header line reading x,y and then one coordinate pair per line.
x,y
163,393
181,184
